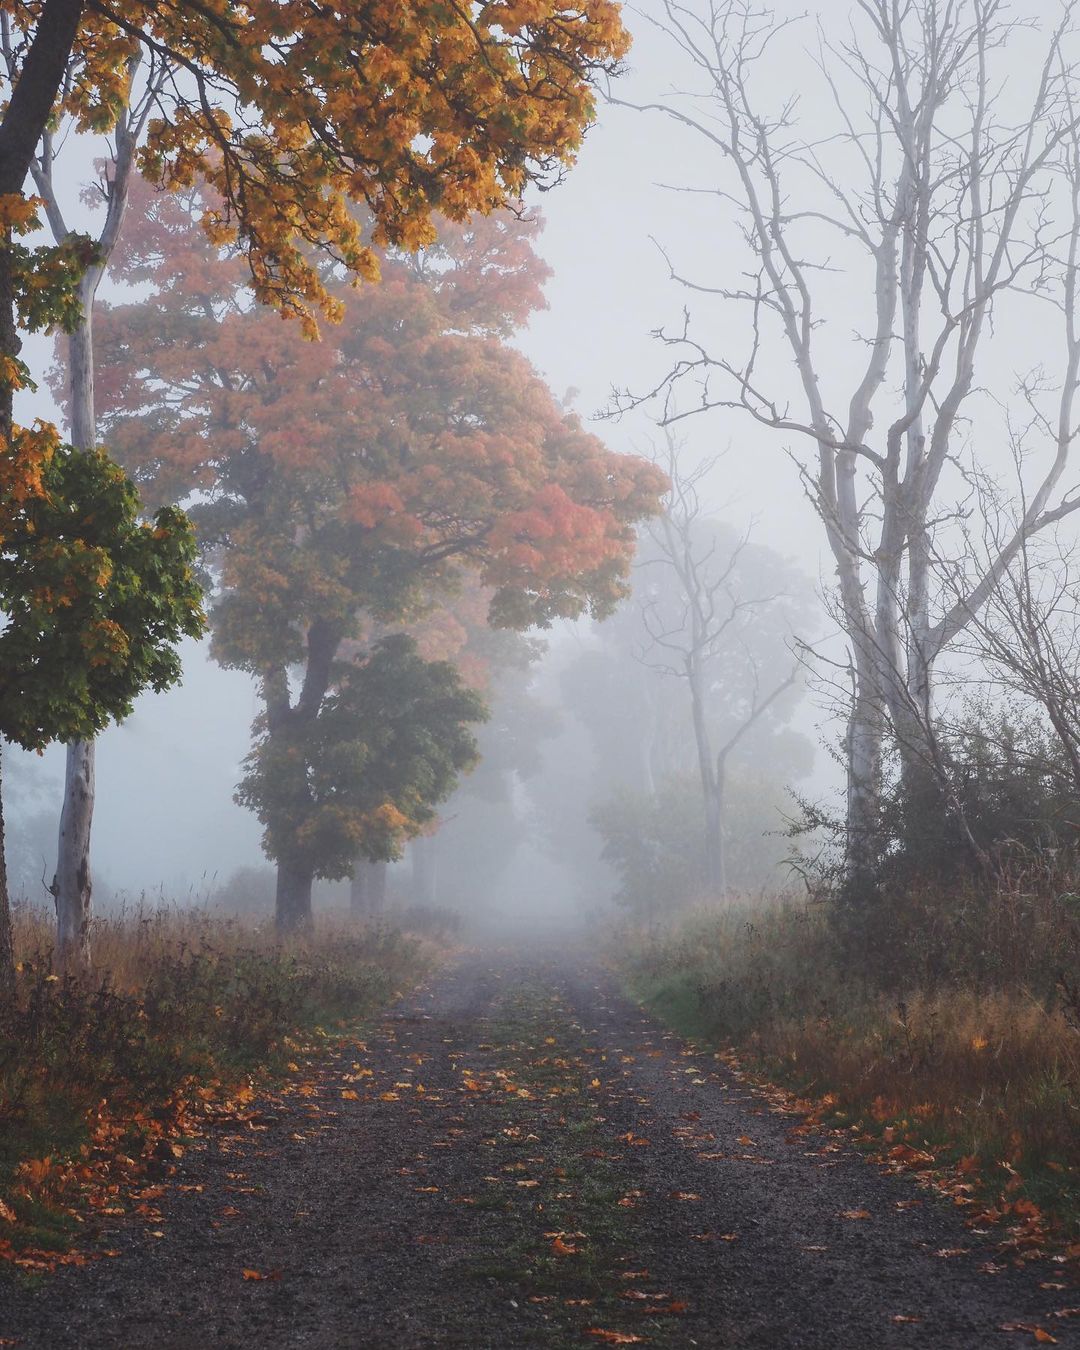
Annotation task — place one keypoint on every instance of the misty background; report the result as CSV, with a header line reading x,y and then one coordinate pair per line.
x,y
165,821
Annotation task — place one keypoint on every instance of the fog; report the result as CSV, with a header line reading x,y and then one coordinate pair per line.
x,y
165,821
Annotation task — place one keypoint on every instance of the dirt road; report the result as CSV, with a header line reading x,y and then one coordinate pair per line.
x,y
518,1157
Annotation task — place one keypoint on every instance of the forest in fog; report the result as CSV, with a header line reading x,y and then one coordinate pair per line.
x,y
539,672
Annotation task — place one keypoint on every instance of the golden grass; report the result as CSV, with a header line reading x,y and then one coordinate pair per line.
x,y
966,1046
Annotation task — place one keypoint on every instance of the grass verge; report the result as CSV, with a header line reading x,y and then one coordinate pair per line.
x,y
103,1080
963,1064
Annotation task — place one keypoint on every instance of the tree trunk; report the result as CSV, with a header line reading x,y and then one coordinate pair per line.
x,y
425,871
367,890
7,952
714,834
715,868
71,886
25,118
294,880
293,901
865,734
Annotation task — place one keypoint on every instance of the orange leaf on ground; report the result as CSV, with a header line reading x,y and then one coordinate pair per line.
x,y
614,1337
855,1214
1040,1333
561,1248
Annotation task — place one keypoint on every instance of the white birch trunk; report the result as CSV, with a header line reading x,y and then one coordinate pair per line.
x,y
71,886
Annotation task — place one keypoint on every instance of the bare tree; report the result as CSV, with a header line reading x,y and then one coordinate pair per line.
x,y
945,203
1028,631
686,643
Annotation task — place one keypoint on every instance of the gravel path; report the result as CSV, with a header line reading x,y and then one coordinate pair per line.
x,y
518,1157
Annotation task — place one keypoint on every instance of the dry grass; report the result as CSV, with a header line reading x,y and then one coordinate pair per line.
x,y
955,1035
180,1002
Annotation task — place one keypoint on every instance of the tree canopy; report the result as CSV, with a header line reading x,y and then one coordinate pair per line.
x,y
96,601
293,111
344,488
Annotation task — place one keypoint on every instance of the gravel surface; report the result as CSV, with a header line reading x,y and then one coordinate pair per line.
x,y
518,1157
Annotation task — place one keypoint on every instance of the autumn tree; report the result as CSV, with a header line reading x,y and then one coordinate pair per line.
x,y
365,771
356,481
292,114
96,600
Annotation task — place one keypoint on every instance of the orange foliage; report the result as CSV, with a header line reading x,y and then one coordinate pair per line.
x,y
293,112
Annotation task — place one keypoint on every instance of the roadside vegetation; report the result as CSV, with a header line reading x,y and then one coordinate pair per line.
x,y
103,1082
956,1051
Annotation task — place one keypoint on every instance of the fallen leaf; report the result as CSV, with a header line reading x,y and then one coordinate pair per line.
x,y
1040,1333
350,1095
855,1214
561,1248
614,1337
905,1318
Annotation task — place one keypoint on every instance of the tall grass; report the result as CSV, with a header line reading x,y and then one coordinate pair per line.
x,y
958,1032
183,1006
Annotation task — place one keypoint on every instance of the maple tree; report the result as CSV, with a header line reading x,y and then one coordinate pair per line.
x,y
367,770
355,482
292,112
95,601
